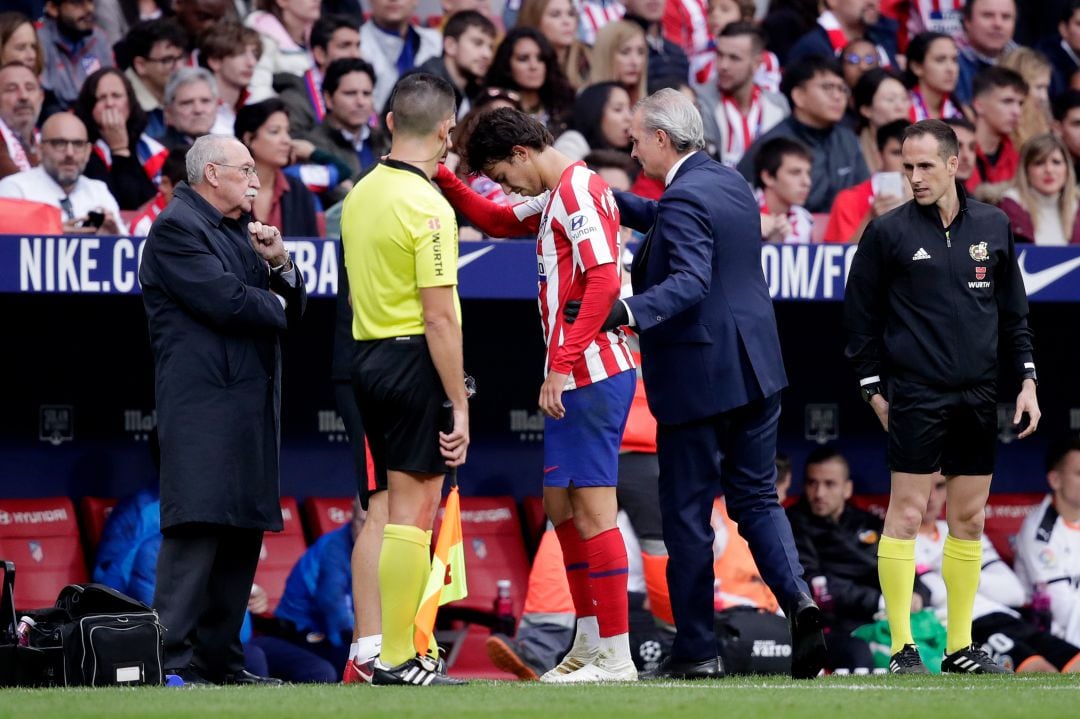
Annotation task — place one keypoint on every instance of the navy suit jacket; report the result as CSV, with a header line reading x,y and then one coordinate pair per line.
x,y
708,333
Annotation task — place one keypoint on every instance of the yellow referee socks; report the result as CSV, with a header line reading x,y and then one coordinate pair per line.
x,y
896,572
433,646
960,568
404,565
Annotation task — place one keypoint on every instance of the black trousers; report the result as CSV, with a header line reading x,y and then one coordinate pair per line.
x,y
204,577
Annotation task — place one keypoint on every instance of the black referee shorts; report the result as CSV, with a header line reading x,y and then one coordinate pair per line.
x,y
400,397
1012,642
930,430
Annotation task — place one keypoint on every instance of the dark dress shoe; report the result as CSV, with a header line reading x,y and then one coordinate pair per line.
x,y
247,678
808,651
672,668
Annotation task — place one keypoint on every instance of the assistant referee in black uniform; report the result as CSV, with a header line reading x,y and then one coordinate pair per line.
x,y
932,289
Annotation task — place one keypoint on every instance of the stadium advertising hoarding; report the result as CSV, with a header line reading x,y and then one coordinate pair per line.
x,y
488,269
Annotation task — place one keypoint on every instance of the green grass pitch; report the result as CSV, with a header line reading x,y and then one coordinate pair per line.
x,y
873,697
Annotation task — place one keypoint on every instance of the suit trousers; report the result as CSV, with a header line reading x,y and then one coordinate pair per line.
x,y
204,577
734,451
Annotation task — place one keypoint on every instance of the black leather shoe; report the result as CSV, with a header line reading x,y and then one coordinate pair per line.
x,y
247,678
672,668
190,677
808,649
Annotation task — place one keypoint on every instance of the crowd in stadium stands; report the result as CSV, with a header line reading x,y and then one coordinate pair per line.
x,y
808,100
304,84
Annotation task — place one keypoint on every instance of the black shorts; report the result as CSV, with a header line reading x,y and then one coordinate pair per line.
x,y
401,400
931,430
1013,641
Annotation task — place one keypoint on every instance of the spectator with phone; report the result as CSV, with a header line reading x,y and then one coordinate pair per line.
x,y
884,191
86,205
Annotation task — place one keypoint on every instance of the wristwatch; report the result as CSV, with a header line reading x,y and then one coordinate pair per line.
x,y
869,391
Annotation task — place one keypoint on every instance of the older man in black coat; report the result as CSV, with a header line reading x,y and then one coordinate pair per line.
x,y
219,290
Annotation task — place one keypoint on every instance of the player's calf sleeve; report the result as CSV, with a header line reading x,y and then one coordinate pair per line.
x,y
607,577
896,572
404,565
576,561
961,564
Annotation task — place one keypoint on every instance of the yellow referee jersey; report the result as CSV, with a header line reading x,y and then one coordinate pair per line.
x,y
399,235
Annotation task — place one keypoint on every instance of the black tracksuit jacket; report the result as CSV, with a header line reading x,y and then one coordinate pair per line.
x,y
928,304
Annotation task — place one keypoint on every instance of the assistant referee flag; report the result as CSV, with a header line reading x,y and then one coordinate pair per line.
x,y
446,583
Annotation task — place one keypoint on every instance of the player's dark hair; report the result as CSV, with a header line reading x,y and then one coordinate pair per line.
x,y
771,156
740,28
250,118
948,144
969,8
867,86
1066,101
174,166
462,20
891,131
420,101
993,77
588,113
822,454
498,131
325,27
1059,448
961,122
1068,9
916,52
340,68
612,160
140,40
807,69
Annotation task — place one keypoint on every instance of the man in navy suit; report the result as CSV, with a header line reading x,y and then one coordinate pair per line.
x,y
713,374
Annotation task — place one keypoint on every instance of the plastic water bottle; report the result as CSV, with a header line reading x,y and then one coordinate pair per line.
x,y
1040,607
819,585
504,607
22,631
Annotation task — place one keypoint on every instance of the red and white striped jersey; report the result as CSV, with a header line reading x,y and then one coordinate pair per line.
x,y
595,14
579,231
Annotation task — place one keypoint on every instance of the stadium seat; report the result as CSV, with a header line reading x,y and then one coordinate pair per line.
x,y
42,537
25,217
1005,513
280,551
873,503
325,514
494,550
93,512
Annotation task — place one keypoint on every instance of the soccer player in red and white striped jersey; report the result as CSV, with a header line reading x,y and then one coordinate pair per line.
x,y
590,379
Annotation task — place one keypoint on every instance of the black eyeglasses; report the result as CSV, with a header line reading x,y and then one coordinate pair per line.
x,y
167,60
60,144
856,59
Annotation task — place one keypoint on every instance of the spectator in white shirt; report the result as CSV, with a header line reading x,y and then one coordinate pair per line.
x,y
59,180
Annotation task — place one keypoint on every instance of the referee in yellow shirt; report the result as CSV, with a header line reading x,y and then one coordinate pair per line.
x,y
401,249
